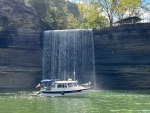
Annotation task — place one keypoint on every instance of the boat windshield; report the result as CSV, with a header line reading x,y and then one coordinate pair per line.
x,y
72,84
75,84
46,85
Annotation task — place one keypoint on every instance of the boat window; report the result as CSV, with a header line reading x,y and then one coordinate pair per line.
x,y
70,85
61,86
75,84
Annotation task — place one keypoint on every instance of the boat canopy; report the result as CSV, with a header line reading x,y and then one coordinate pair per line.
x,y
49,80
46,80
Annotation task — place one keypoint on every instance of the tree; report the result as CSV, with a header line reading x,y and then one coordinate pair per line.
x,y
130,8
72,22
73,15
142,9
53,12
72,8
108,7
91,16
58,12
117,8
40,6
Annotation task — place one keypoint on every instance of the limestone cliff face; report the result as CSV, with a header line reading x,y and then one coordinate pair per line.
x,y
122,56
20,45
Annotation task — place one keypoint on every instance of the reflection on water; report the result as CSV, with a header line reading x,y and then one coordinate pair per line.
x,y
64,105
98,101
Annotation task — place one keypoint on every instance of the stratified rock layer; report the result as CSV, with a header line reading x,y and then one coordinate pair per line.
x,y
122,57
20,45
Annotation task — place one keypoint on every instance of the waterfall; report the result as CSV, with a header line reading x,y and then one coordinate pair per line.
x,y
69,54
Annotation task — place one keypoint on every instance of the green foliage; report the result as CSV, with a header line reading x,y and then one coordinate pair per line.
x,y
115,8
128,8
73,15
91,16
72,8
61,14
39,5
56,13
72,22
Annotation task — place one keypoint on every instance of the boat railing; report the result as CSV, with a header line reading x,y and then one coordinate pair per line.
x,y
86,85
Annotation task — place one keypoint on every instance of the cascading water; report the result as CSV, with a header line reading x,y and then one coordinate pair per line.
x,y
69,54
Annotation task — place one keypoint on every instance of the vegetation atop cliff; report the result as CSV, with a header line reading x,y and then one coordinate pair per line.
x,y
63,14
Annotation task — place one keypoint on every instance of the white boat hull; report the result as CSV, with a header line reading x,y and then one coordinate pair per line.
x,y
84,92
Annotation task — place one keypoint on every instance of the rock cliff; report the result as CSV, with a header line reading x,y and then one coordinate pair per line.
x,y
20,45
122,56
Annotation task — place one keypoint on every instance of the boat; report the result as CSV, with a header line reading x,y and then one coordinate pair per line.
x,y
68,87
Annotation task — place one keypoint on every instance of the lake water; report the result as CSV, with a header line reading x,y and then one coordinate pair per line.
x,y
99,101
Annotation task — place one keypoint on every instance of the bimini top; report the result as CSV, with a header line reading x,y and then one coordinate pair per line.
x,y
46,80
49,80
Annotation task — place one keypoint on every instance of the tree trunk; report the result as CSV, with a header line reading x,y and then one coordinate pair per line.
x,y
111,22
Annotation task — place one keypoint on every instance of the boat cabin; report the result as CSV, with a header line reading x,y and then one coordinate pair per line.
x,y
64,84
56,84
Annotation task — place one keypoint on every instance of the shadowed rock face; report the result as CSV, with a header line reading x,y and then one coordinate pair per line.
x,y
122,57
20,45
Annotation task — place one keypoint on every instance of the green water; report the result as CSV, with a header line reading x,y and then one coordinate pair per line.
x,y
99,101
